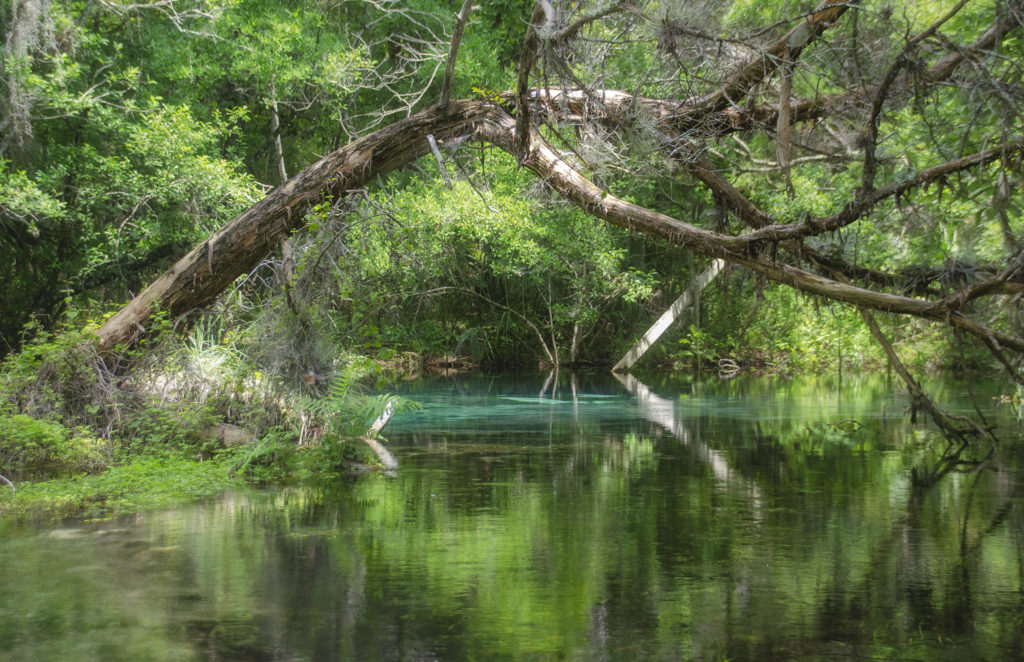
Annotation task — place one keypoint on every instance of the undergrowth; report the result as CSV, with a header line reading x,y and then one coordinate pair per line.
x,y
178,418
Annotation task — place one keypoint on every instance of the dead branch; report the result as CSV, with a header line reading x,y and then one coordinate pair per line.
x,y
449,71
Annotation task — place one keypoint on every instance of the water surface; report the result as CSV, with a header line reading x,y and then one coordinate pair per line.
x,y
582,519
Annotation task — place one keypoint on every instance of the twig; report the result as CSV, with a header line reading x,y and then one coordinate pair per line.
x,y
440,160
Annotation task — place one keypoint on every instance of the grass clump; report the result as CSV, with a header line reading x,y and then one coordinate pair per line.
x,y
142,483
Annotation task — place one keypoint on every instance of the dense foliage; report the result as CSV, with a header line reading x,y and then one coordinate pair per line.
x,y
129,132
132,131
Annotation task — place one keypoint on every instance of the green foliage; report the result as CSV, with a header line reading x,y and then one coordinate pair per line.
x,y
29,443
24,206
150,127
144,483
438,270
268,456
182,427
60,377
343,414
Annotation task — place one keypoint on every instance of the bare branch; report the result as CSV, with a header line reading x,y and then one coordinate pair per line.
x,y
542,13
213,265
857,209
449,71
762,65
882,92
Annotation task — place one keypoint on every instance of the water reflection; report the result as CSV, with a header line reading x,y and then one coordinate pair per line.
x,y
662,412
587,520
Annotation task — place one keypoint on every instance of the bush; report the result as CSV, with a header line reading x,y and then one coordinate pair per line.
x,y
29,443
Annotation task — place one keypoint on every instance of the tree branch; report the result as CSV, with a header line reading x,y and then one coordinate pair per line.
x,y
199,276
453,50
858,208
542,13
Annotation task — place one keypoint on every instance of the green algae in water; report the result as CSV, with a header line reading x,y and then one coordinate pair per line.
x,y
144,483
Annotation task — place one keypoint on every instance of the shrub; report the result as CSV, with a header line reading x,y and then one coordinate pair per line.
x,y
29,443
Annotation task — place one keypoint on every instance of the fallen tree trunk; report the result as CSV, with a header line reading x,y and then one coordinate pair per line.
x,y
239,246
198,277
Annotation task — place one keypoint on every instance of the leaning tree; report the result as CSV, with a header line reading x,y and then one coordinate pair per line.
x,y
830,142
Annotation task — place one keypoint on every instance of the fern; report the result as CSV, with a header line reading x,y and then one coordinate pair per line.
x,y
275,442
345,412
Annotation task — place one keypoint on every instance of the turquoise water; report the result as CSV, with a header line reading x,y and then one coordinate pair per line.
x,y
584,519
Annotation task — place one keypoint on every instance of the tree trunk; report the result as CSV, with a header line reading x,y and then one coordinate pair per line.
x,y
240,245
197,278
669,317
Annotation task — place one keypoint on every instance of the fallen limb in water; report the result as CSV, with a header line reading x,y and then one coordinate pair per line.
x,y
387,459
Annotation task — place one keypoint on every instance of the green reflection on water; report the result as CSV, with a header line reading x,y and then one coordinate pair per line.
x,y
594,520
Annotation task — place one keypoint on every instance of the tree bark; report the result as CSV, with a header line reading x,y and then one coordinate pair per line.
x,y
241,244
238,247
669,317
198,277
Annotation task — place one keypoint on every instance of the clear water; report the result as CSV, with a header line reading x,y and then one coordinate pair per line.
x,y
751,519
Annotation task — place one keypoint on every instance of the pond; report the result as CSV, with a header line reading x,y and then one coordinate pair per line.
x,y
582,518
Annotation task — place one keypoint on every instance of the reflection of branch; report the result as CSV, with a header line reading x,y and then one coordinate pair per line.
x,y
918,397
662,412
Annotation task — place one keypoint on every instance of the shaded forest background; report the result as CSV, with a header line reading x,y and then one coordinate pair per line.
x,y
262,180
132,131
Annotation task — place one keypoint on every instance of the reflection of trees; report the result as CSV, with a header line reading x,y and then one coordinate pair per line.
x,y
569,550
920,581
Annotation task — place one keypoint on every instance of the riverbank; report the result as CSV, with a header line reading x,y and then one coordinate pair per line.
x,y
143,483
